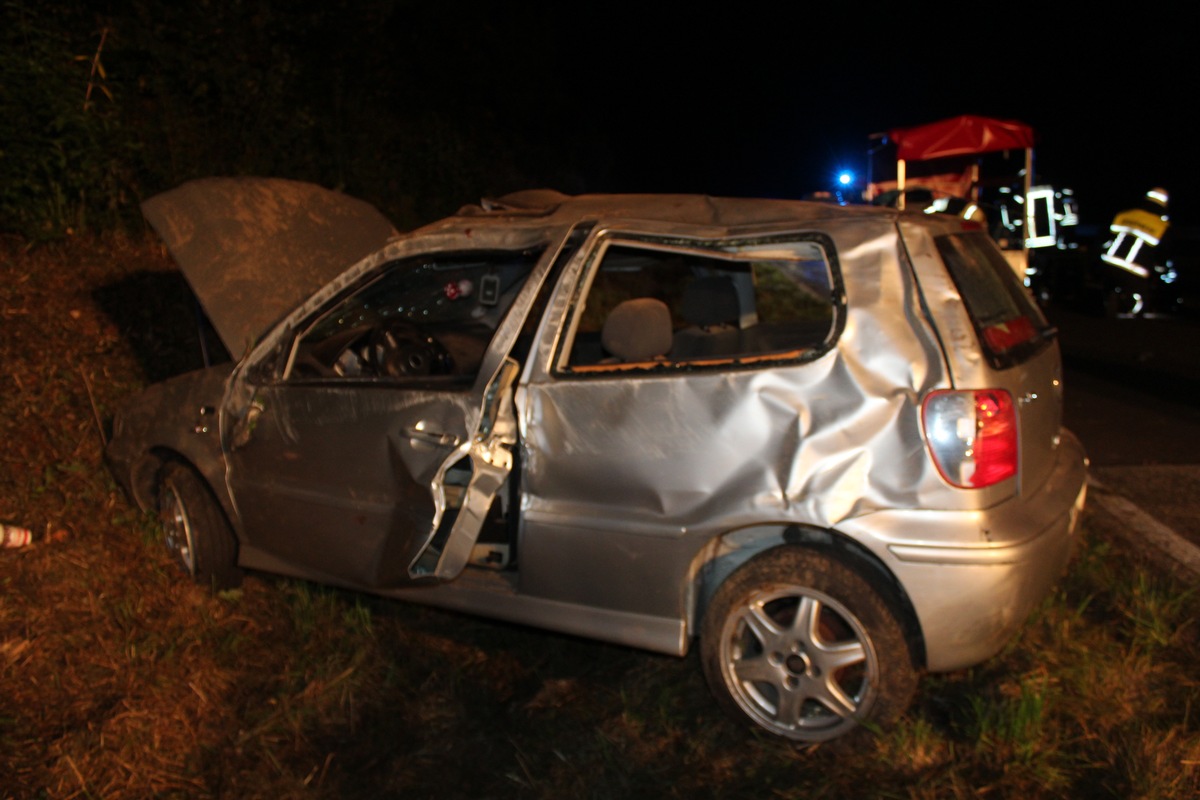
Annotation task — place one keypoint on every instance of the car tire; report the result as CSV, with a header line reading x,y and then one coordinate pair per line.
x,y
195,529
802,645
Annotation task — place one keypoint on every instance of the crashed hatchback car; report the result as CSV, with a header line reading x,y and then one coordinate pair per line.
x,y
823,443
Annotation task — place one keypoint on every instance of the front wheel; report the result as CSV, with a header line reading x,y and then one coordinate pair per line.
x,y
800,644
195,529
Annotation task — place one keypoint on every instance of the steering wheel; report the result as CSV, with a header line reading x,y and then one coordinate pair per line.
x,y
401,350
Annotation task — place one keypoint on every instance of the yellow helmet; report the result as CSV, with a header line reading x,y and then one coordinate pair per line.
x,y
1158,195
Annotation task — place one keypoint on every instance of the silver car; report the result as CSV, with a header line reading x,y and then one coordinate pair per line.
x,y
823,443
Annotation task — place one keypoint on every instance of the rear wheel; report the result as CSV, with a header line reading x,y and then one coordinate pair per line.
x,y
195,529
800,644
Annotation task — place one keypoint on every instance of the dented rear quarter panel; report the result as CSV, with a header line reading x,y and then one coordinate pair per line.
x,y
629,479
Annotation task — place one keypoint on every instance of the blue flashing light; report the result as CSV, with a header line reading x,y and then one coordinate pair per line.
x,y
845,178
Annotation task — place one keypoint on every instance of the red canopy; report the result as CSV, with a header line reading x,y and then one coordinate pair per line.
x,y
960,136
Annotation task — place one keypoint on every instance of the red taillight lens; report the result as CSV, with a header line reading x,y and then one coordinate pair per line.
x,y
972,436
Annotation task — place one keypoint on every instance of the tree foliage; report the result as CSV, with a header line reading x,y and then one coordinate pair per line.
x,y
65,160
414,107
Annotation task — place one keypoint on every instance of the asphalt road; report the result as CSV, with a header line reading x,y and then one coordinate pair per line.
x,y
1132,395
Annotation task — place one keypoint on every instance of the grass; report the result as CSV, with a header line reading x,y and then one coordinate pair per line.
x,y
122,681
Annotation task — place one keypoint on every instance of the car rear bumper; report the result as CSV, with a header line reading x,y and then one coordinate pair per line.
x,y
972,590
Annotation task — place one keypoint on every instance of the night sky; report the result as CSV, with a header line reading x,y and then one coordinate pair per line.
x,y
761,101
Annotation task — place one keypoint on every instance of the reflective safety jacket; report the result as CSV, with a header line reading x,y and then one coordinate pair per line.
x,y
1138,231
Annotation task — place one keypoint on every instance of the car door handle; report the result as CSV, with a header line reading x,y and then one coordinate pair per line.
x,y
421,434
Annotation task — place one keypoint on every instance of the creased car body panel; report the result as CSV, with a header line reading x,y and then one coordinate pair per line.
x,y
174,419
332,480
253,248
639,473
377,455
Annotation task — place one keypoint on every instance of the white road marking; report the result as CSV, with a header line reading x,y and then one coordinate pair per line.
x,y
1141,528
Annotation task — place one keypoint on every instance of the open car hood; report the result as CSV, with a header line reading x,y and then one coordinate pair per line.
x,y
253,248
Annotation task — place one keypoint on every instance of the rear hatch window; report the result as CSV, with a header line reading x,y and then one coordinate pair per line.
x,y
1010,326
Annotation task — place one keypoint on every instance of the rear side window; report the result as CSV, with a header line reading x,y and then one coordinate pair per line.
x,y
653,305
1010,326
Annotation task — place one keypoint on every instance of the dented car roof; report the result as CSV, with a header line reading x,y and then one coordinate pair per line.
x,y
252,249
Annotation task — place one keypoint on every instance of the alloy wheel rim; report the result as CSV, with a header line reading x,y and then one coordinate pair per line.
x,y
799,663
177,529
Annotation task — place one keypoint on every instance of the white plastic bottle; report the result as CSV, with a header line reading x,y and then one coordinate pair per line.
x,y
15,536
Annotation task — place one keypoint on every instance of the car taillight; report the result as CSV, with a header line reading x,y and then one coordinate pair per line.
x,y
972,436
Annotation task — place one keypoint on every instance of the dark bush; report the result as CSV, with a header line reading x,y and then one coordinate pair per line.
x,y
64,157
400,104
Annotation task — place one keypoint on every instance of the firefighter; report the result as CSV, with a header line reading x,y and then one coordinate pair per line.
x,y
1136,251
